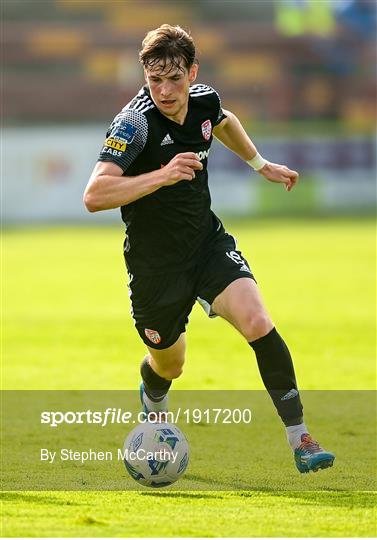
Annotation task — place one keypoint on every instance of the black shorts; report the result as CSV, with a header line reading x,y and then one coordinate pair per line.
x,y
161,304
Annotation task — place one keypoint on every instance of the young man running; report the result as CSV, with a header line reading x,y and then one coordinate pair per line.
x,y
154,166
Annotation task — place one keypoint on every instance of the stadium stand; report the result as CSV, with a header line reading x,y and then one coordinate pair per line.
x,y
74,61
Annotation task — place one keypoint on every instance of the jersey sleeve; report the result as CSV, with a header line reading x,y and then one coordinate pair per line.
x,y
125,138
219,113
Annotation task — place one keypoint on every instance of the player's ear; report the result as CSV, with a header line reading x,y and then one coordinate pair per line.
x,y
193,72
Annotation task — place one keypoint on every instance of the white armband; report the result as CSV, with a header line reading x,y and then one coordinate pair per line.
x,y
257,163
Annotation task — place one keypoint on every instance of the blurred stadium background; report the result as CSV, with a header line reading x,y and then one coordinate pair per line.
x,y
299,73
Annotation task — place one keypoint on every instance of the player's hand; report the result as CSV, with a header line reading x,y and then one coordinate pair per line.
x,y
181,167
280,174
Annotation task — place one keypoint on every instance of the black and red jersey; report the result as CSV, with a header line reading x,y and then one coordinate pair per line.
x,y
167,229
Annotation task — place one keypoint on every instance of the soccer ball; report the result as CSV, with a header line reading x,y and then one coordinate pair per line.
x,y
156,455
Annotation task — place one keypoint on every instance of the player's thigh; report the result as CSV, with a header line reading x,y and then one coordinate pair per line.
x,y
242,305
221,264
229,289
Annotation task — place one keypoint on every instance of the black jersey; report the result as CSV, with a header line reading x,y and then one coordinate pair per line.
x,y
166,229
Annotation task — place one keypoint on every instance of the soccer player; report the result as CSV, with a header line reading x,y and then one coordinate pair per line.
x,y
153,165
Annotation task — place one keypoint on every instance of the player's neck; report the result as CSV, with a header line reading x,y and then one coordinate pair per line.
x,y
180,117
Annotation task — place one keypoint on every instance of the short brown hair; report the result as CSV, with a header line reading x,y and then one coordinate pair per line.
x,y
169,45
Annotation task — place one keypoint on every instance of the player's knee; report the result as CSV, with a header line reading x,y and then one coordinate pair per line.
x,y
172,372
257,326
169,369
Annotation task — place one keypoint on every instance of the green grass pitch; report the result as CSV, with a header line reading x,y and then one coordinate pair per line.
x,y
67,326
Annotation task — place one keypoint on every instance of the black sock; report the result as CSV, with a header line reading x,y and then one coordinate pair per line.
x,y
155,387
278,375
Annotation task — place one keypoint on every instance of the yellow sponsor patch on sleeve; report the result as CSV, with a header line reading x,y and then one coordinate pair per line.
x,y
114,143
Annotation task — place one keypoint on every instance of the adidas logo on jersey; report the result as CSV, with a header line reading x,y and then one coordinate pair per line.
x,y
167,140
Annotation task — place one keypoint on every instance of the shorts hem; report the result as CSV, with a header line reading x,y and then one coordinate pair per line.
x,y
210,299
163,344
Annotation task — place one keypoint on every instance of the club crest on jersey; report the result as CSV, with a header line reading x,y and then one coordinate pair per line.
x,y
207,129
153,336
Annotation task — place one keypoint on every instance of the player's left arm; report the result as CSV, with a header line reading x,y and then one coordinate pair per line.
x,y
232,134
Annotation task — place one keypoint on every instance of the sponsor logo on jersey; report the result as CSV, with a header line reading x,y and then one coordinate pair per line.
x,y
207,129
125,132
167,140
203,154
112,151
114,142
153,336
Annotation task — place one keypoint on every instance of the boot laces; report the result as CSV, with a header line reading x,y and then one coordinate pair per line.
x,y
309,444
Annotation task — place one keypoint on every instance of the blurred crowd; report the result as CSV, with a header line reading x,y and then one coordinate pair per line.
x,y
284,60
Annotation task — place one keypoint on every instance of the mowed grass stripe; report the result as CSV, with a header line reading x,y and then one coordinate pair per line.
x,y
251,514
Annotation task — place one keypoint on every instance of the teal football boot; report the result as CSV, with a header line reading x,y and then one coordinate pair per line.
x,y
309,456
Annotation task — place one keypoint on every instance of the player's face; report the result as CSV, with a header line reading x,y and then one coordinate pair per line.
x,y
170,89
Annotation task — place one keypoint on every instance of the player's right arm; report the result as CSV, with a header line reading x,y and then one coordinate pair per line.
x,y
109,185
108,188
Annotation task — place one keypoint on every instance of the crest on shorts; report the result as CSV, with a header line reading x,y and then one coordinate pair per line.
x,y
153,336
207,129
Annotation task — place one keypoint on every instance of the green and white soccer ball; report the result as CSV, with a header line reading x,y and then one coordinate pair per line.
x,y
156,455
